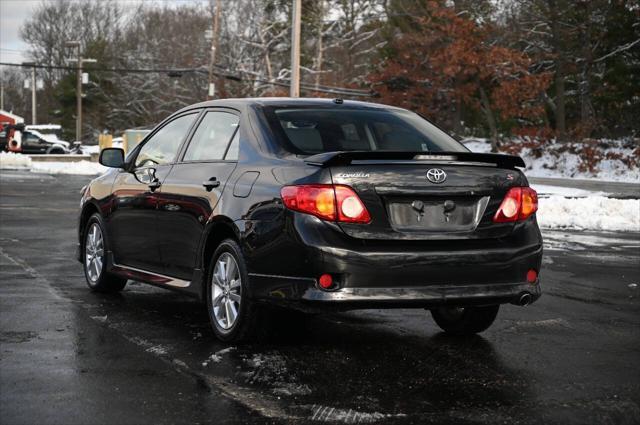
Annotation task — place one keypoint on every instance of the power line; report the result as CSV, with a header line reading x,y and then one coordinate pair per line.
x,y
225,73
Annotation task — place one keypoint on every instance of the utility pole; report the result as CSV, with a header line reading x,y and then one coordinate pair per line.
x,y
2,88
295,49
33,94
214,47
80,62
32,65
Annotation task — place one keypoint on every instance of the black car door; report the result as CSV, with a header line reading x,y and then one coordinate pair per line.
x,y
132,224
190,193
31,143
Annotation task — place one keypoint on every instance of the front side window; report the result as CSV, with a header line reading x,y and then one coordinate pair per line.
x,y
210,140
163,146
315,130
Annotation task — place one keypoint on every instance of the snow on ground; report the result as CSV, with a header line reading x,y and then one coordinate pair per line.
x,y
564,191
81,167
570,208
589,213
615,160
89,149
16,161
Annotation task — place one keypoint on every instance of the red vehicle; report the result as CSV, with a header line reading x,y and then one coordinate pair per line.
x,y
9,123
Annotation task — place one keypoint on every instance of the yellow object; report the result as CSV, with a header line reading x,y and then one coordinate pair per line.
x,y
105,141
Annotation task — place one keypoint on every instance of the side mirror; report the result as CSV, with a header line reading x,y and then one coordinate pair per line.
x,y
112,157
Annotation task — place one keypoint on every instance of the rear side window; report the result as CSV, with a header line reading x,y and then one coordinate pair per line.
x,y
163,146
211,138
316,130
234,148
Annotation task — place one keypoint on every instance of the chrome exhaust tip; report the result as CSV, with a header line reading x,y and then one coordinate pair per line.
x,y
524,300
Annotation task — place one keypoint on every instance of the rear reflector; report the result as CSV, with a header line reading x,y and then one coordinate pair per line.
x,y
532,276
326,201
518,204
325,281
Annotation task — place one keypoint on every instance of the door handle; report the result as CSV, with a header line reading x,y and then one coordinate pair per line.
x,y
211,183
154,185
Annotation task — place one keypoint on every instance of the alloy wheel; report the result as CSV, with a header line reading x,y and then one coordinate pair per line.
x,y
94,252
226,293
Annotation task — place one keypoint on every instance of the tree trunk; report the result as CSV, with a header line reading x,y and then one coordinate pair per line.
x,y
557,42
458,129
320,48
586,106
561,131
491,121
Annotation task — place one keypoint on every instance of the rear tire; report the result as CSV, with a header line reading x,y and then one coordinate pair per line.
x,y
465,320
233,315
94,258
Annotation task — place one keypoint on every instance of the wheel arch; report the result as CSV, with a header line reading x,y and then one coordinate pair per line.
x,y
217,230
56,149
88,209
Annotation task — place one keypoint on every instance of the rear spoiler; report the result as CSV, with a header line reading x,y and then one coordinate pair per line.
x,y
329,159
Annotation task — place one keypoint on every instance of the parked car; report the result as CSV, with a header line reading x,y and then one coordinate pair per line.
x,y
315,205
34,142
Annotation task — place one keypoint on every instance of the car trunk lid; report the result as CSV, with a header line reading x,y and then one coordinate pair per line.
x,y
417,196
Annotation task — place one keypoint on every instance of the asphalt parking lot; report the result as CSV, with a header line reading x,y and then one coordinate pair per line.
x,y
68,356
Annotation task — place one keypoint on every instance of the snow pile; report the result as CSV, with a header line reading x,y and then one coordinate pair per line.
x,y
592,213
16,161
81,167
91,149
613,160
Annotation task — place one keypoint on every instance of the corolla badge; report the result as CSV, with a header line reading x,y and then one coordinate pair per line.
x,y
436,175
353,175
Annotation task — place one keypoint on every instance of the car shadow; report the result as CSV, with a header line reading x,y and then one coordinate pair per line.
x,y
375,360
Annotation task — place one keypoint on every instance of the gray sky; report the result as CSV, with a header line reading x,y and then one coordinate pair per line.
x,y
14,13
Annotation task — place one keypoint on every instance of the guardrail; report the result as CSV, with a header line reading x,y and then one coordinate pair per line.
x,y
63,158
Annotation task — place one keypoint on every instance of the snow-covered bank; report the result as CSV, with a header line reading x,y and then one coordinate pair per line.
x,y
611,160
589,213
16,161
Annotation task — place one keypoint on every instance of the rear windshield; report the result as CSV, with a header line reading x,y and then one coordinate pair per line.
x,y
316,130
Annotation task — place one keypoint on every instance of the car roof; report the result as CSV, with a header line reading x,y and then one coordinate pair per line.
x,y
241,103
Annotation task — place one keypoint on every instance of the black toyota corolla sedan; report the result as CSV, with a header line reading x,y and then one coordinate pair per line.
x,y
315,205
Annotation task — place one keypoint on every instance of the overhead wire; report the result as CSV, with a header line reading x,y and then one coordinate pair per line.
x,y
221,72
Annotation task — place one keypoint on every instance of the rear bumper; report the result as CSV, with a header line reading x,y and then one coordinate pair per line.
x,y
304,294
426,296
379,274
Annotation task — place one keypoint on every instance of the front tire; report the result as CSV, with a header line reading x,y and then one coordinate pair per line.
x,y
233,316
94,258
465,320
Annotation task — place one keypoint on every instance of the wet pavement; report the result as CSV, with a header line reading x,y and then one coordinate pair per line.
x,y
146,355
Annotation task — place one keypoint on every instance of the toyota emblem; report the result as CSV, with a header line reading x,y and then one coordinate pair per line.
x,y
436,175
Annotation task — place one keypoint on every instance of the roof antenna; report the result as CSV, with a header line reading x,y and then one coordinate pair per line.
x,y
338,101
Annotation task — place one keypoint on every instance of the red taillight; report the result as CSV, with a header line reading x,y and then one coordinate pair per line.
x,y
318,200
329,202
532,276
518,204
